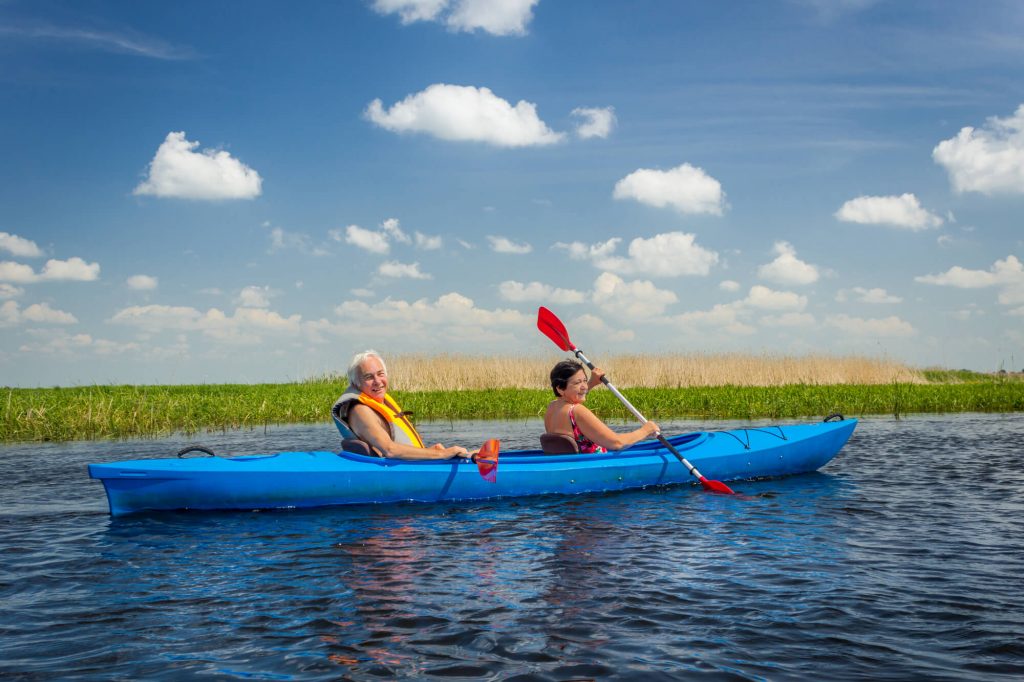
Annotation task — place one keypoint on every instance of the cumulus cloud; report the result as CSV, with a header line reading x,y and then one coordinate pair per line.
x,y
989,160
177,171
451,317
11,314
464,114
891,326
402,270
10,291
636,299
729,285
73,269
788,320
19,246
244,326
581,251
787,268
1007,274
505,245
142,282
428,242
671,254
497,17
685,188
393,229
254,296
875,295
903,212
517,292
368,240
723,316
597,122
763,298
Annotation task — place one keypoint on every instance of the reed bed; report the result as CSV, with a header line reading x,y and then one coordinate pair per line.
x,y
453,388
466,372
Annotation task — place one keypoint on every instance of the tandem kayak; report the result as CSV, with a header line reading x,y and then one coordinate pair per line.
x,y
324,478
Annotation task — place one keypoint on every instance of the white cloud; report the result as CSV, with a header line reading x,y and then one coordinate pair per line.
x,y
398,270
902,211
10,291
597,325
597,122
464,114
891,326
281,239
179,172
505,245
498,17
989,160
451,317
244,326
427,242
1007,274
729,285
374,242
517,292
787,268
59,342
411,10
254,297
763,298
142,282
19,246
581,251
723,316
362,293
686,188
636,299
392,228
73,269
875,295
11,314
671,254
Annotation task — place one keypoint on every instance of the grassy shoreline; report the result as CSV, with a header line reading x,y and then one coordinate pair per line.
x,y
118,412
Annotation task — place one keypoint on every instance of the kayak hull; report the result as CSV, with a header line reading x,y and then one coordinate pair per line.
x,y
324,478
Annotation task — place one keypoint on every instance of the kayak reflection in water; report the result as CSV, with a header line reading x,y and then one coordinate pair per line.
x,y
568,416
367,413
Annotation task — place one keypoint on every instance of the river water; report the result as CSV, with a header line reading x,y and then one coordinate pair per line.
x,y
902,559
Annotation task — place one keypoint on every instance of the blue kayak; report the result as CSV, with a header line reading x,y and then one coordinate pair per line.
x,y
323,478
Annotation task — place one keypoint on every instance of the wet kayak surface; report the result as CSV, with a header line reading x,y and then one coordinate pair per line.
x,y
900,559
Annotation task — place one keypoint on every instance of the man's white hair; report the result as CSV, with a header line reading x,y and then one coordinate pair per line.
x,y
355,367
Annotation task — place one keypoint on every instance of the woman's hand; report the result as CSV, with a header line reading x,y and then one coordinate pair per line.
x,y
651,429
596,375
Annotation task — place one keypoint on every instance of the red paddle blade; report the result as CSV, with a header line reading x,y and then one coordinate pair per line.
x,y
487,460
552,327
716,487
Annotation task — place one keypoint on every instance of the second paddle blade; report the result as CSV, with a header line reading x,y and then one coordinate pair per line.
x,y
716,487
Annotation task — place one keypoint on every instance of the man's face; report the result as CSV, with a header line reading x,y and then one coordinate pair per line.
x,y
373,380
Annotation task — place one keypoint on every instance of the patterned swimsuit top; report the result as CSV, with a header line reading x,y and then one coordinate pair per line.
x,y
587,446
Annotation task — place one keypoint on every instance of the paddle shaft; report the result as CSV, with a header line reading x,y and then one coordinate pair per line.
x,y
636,413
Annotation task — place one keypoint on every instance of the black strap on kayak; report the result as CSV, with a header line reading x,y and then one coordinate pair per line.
x,y
195,448
835,416
745,442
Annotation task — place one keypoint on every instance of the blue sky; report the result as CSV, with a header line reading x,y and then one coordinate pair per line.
x,y
209,192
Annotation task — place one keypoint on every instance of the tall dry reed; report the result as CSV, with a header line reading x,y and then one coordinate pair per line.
x,y
469,372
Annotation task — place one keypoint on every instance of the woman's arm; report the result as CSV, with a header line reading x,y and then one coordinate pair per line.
x,y
596,430
365,423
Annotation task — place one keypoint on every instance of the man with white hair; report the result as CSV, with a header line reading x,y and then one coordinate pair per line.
x,y
366,412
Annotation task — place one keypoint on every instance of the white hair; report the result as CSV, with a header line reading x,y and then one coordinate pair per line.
x,y
354,367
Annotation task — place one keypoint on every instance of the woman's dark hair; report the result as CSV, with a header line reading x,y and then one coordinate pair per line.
x,y
562,372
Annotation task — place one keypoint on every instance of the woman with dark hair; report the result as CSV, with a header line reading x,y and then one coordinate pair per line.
x,y
568,416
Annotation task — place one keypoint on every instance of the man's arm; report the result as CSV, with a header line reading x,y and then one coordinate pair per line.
x,y
366,424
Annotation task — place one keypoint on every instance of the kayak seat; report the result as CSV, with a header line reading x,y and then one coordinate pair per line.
x,y
558,444
359,447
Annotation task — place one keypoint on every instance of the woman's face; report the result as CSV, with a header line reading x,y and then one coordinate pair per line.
x,y
576,388
373,380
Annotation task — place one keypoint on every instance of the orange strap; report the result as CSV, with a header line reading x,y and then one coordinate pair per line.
x,y
393,414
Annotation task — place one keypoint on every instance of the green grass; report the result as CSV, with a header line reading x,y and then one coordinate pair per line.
x,y
115,412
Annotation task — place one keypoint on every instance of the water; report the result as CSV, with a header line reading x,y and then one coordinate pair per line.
x,y
903,559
